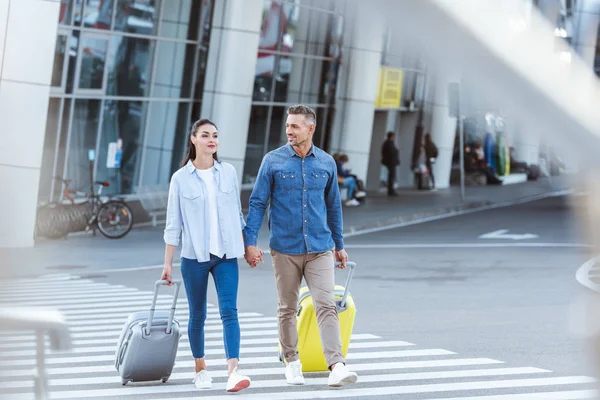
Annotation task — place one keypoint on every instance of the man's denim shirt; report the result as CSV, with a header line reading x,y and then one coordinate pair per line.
x,y
188,212
305,211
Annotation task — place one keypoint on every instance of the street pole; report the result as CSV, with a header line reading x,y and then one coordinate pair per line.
x,y
461,141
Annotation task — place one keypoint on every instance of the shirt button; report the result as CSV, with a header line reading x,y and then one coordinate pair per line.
x,y
305,235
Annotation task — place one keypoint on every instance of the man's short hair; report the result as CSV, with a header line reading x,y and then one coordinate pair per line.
x,y
301,109
390,134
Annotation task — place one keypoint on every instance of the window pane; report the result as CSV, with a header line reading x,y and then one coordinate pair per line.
x,y
93,58
159,142
95,14
277,136
263,79
62,147
137,16
59,60
172,79
49,150
84,133
311,80
256,142
129,66
122,120
65,12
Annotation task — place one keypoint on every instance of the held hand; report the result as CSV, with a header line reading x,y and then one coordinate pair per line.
x,y
166,274
342,257
253,256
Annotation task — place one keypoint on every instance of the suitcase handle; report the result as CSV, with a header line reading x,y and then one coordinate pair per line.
x,y
158,284
352,266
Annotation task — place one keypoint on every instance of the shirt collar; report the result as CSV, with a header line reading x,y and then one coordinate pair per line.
x,y
292,153
190,168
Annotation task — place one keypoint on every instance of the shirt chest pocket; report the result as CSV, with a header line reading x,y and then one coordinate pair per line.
x,y
318,180
286,180
192,199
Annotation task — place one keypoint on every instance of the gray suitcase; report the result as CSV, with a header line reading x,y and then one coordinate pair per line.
x,y
147,347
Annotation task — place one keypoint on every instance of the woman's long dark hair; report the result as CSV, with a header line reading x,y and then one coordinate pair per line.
x,y
191,153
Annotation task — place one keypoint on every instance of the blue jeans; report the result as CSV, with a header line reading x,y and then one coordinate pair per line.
x,y
350,184
195,279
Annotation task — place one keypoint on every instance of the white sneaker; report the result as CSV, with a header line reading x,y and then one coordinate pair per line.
x,y
293,373
352,203
340,375
237,382
360,194
202,380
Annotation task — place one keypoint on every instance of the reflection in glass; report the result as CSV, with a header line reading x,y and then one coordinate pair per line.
x,y
93,58
256,142
65,12
137,16
279,25
59,60
158,144
49,150
170,71
95,14
277,136
122,120
84,132
130,66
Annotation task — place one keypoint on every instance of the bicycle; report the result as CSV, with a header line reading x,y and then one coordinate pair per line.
x,y
76,211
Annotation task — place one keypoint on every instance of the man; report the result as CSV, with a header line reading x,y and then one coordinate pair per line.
x,y
390,159
299,181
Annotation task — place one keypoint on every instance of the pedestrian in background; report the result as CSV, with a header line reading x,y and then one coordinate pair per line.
x,y
390,159
431,153
349,181
299,182
204,204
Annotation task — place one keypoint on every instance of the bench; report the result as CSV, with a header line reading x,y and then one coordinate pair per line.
x,y
154,200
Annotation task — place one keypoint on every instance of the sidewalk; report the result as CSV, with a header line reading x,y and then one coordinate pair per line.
x,y
144,246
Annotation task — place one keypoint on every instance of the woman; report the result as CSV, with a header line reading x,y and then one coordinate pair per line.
x,y
204,203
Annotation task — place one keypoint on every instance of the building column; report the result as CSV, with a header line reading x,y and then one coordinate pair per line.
x,y
356,104
27,41
230,73
443,127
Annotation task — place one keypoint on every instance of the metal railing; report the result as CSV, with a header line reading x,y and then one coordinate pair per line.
x,y
43,322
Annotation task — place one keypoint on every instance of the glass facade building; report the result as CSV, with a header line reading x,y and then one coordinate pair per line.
x,y
132,72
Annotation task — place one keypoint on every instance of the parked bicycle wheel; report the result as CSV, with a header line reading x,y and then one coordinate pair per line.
x,y
51,221
115,219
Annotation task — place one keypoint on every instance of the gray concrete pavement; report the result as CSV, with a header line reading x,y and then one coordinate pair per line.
x,y
144,246
486,318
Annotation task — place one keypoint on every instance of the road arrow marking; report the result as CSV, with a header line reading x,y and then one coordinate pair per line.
x,y
503,234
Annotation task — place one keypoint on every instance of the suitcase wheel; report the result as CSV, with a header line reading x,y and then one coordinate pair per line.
x,y
124,382
164,380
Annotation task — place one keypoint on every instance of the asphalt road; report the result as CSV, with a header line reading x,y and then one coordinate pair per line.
x,y
435,288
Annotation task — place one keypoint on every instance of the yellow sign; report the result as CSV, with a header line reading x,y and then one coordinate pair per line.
x,y
389,94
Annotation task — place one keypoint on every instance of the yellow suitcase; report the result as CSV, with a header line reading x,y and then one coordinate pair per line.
x,y
309,340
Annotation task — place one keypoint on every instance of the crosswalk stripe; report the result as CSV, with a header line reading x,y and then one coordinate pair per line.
x,y
96,299
112,341
117,332
279,371
128,309
37,295
208,325
257,360
392,390
408,389
124,315
78,326
442,363
183,346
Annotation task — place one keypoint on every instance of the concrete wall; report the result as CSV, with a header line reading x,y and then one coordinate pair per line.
x,y
27,40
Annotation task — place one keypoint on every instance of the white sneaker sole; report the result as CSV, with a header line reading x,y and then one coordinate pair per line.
x,y
241,385
350,379
204,387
